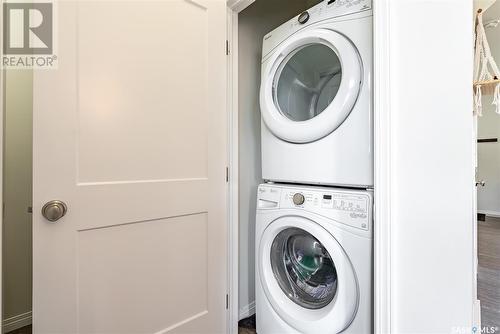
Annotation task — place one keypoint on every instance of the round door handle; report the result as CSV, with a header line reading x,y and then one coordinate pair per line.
x,y
481,183
54,210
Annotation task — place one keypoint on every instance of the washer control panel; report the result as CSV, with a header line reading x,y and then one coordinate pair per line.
x,y
349,207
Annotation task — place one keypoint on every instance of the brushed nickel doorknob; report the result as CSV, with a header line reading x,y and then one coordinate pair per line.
x,y
54,210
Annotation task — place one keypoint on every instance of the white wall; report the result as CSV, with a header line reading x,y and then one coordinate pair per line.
x,y
488,197
17,259
432,173
254,22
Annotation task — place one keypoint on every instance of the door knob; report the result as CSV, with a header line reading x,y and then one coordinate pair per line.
x,y
54,210
481,183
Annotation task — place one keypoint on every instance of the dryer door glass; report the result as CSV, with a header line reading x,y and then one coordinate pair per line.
x,y
303,268
307,82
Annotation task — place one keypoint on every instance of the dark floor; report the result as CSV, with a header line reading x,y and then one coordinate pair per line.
x,y
247,325
488,283
22,330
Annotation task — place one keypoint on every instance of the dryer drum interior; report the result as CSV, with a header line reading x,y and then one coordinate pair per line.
x,y
303,268
307,81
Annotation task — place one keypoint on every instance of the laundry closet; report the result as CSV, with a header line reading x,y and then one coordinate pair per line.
x,y
254,25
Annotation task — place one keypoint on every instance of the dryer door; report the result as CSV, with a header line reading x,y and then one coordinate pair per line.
x,y
310,85
307,277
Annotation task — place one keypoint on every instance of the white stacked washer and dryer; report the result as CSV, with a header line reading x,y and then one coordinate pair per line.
x,y
314,225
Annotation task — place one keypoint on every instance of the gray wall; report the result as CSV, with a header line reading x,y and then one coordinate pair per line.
x,y
17,259
254,22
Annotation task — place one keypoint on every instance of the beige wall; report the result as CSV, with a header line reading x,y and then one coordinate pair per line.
x,y
254,22
17,258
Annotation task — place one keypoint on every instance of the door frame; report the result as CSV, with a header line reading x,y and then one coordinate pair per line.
x,y
477,303
2,101
233,168
383,162
384,155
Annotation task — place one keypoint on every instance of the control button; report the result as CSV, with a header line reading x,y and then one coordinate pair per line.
x,y
298,199
304,17
327,204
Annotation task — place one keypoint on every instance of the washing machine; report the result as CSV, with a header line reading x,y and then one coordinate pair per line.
x,y
313,260
316,97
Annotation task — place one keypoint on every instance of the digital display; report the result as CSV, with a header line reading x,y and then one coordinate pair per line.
x,y
327,197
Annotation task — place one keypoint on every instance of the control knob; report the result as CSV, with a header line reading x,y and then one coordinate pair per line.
x,y
298,199
304,17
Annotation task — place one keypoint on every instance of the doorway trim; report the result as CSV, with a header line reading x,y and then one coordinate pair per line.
x,y
234,7
233,175
2,101
384,155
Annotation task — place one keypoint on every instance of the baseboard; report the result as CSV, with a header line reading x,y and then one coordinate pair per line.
x,y
16,322
246,311
489,213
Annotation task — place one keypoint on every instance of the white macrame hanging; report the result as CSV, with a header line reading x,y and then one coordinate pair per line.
x,y
485,68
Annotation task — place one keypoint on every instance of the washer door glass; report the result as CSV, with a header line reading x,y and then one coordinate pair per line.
x,y
303,268
307,82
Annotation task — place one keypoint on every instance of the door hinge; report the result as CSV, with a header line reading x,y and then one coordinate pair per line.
x,y
228,50
227,174
227,302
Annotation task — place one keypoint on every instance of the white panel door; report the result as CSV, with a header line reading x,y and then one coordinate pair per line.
x,y
130,132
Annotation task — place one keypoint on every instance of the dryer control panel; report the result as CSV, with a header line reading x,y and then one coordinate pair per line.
x,y
349,207
325,10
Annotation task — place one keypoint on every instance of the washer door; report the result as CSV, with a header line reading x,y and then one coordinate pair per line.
x,y
310,85
306,276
